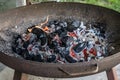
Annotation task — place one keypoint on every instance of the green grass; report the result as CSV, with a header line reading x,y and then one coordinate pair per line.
x,y
7,4
112,4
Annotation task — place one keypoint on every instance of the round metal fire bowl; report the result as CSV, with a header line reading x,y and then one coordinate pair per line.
x,y
29,15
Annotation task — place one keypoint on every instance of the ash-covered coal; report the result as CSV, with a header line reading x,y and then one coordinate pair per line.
x,y
62,41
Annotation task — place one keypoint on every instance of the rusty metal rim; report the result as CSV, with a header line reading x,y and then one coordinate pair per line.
x,y
24,66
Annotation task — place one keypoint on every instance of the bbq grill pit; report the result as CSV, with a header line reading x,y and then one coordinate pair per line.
x,y
20,19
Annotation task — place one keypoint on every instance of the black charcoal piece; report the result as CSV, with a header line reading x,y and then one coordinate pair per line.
x,y
70,59
63,24
33,38
43,41
79,47
29,57
100,26
55,44
39,32
25,44
19,51
73,26
25,54
40,35
38,58
64,40
51,58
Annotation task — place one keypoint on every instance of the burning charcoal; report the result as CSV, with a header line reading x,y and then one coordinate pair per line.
x,y
56,22
73,26
16,37
56,50
51,58
62,51
57,28
51,37
63,24
70,59
14,48
63,41
51,22
101,27
38,58
17,44
25,44
64,33
19,51
29,57
93,51
79,47
54,44
40,35
33,38
61,32
25,54
25,37
52,26
43,41
37,44
39,32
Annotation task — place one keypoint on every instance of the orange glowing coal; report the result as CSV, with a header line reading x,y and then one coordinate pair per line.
x,y
41,26
45,29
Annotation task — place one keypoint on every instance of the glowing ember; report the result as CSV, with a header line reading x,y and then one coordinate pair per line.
x,y
45,29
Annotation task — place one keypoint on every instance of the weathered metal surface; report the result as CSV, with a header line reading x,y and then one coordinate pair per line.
x,y
34,13
111,74
17,75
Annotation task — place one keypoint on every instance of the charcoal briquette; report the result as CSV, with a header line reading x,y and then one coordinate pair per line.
x,y
51,58
79,47
70,59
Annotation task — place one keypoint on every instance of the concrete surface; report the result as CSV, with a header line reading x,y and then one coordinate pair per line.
x,y
6,73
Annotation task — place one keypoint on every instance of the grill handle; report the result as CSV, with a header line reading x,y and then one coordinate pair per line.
x,y
79,70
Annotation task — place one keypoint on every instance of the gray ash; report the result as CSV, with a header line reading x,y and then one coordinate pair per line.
x,y
61,41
